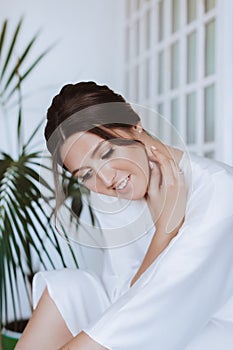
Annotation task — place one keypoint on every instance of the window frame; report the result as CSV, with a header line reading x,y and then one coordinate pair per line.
x,y
223,102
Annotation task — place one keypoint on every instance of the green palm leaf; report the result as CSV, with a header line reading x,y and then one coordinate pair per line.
x,y
25,226
11,48
25,74
2,36
19,62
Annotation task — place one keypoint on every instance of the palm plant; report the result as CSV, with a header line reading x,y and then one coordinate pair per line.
x,y
25,226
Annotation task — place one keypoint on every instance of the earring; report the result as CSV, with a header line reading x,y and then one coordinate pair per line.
x,y
138,128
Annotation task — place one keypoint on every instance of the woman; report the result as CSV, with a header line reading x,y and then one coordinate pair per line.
x,y
177,289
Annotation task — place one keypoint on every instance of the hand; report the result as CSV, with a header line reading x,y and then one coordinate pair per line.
x,y
166,198
167,193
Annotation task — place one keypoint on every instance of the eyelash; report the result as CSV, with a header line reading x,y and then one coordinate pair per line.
x,y
88,173
85,176
108,153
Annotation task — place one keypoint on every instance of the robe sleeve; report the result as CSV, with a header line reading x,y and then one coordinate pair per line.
x,y
189,282
176,296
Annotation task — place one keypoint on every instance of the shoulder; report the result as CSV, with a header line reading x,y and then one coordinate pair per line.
x,y
210,165
212,188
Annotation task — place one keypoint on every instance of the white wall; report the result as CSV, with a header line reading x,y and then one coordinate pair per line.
x,y
88,47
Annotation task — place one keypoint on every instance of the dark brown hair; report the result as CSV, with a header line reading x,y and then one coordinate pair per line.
x,y
85,106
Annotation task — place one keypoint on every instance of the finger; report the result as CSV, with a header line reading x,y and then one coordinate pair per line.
x,y
178,174
154,178
166,167
150,153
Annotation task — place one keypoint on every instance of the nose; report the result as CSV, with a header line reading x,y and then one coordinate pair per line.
x,y
106,174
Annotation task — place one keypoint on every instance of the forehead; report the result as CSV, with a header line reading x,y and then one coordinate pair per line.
x,y
79,145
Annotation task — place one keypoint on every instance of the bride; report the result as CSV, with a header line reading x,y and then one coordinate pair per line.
x,y
174,290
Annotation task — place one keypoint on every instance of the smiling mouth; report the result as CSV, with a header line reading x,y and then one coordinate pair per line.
x,y
123,184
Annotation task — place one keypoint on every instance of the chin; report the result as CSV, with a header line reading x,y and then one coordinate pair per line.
x,y
131,196
138,195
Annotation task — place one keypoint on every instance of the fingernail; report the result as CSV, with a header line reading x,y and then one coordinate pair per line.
x,y
153,147
151,164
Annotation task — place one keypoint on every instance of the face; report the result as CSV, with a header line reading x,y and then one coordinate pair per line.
x,y
106,168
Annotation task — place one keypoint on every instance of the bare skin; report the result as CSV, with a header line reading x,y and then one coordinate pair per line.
x,y
58,337
46,329
82,342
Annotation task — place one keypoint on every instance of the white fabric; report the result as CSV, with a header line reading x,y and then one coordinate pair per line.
x,y
183,301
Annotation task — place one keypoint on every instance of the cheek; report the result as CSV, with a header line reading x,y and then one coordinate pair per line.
x,y
132,160
140,179
142,167
96,185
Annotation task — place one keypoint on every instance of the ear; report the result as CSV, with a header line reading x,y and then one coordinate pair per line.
x,y
138,128
135,130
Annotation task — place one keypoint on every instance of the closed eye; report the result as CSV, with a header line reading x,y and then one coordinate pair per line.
x,y
86,176
108,153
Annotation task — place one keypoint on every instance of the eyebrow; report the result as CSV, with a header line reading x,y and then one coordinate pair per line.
x,y
92,156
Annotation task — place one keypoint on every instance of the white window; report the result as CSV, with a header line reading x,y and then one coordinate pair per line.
x,y
173,63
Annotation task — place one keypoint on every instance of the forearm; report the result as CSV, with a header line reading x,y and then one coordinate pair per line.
x,y
83,342
158,243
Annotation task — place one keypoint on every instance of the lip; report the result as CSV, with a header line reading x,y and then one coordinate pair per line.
x,y
125,189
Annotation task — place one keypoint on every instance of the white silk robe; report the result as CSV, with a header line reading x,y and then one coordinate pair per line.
x,y
183,301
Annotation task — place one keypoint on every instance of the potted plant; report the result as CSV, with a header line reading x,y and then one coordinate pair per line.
x,y
25,226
